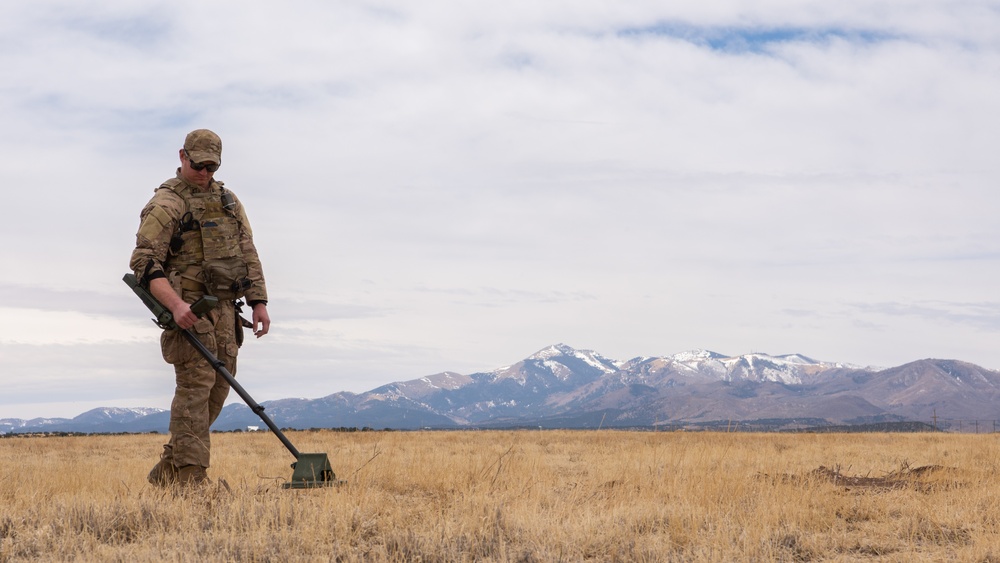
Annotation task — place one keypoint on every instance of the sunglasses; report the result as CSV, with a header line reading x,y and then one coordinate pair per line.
x,y
198,166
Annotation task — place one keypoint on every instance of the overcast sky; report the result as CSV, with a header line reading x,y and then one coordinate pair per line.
x,y
452,186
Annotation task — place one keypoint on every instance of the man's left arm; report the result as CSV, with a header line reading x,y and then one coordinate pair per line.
x,y
256,295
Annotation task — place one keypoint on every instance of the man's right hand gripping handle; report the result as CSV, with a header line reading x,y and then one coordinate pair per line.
x,y
164,317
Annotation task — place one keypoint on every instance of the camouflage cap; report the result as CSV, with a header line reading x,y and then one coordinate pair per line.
x,y
203,145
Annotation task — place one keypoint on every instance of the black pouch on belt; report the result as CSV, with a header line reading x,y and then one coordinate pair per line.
x,y
240,323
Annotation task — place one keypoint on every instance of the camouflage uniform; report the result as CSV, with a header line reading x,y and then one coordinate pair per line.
x,y
185,235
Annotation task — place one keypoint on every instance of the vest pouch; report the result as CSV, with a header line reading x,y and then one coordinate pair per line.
x,y
226,278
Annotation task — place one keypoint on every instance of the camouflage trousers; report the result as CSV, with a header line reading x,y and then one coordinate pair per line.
x,y
200,392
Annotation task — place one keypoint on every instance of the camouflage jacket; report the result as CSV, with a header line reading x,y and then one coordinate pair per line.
x,y
178,235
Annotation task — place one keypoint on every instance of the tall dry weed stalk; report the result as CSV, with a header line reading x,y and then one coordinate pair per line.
x,y
512,496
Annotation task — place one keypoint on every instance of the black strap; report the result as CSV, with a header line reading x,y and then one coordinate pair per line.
x,y
187,223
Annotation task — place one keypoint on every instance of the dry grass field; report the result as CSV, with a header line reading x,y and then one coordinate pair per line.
x,y
513,496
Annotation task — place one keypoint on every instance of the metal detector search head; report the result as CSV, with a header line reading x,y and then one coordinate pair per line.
x,y
312,471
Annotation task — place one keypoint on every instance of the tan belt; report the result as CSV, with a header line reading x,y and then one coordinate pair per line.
x,y
192,285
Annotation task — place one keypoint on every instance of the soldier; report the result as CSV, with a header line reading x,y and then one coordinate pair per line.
x,y
193,239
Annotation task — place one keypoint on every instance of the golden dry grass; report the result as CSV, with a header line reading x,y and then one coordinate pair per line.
x,y
513,496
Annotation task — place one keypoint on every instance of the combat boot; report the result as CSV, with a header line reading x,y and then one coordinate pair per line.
x,y
191,475
163,474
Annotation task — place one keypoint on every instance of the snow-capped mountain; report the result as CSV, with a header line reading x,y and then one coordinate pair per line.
x,y
791,369
104,419
560,386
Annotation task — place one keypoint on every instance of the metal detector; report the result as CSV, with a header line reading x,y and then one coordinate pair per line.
x,y
310,470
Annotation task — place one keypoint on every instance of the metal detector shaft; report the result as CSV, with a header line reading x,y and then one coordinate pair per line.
x,y
220,367
311,470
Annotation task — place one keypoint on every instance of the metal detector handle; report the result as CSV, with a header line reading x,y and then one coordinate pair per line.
x,y
162,316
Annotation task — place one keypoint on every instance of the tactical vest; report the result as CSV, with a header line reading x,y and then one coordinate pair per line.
x,y
205,251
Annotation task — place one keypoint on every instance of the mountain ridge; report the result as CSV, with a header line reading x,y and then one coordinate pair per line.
x,y
561,383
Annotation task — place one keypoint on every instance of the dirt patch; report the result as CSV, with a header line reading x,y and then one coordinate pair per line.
x,y
926,478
